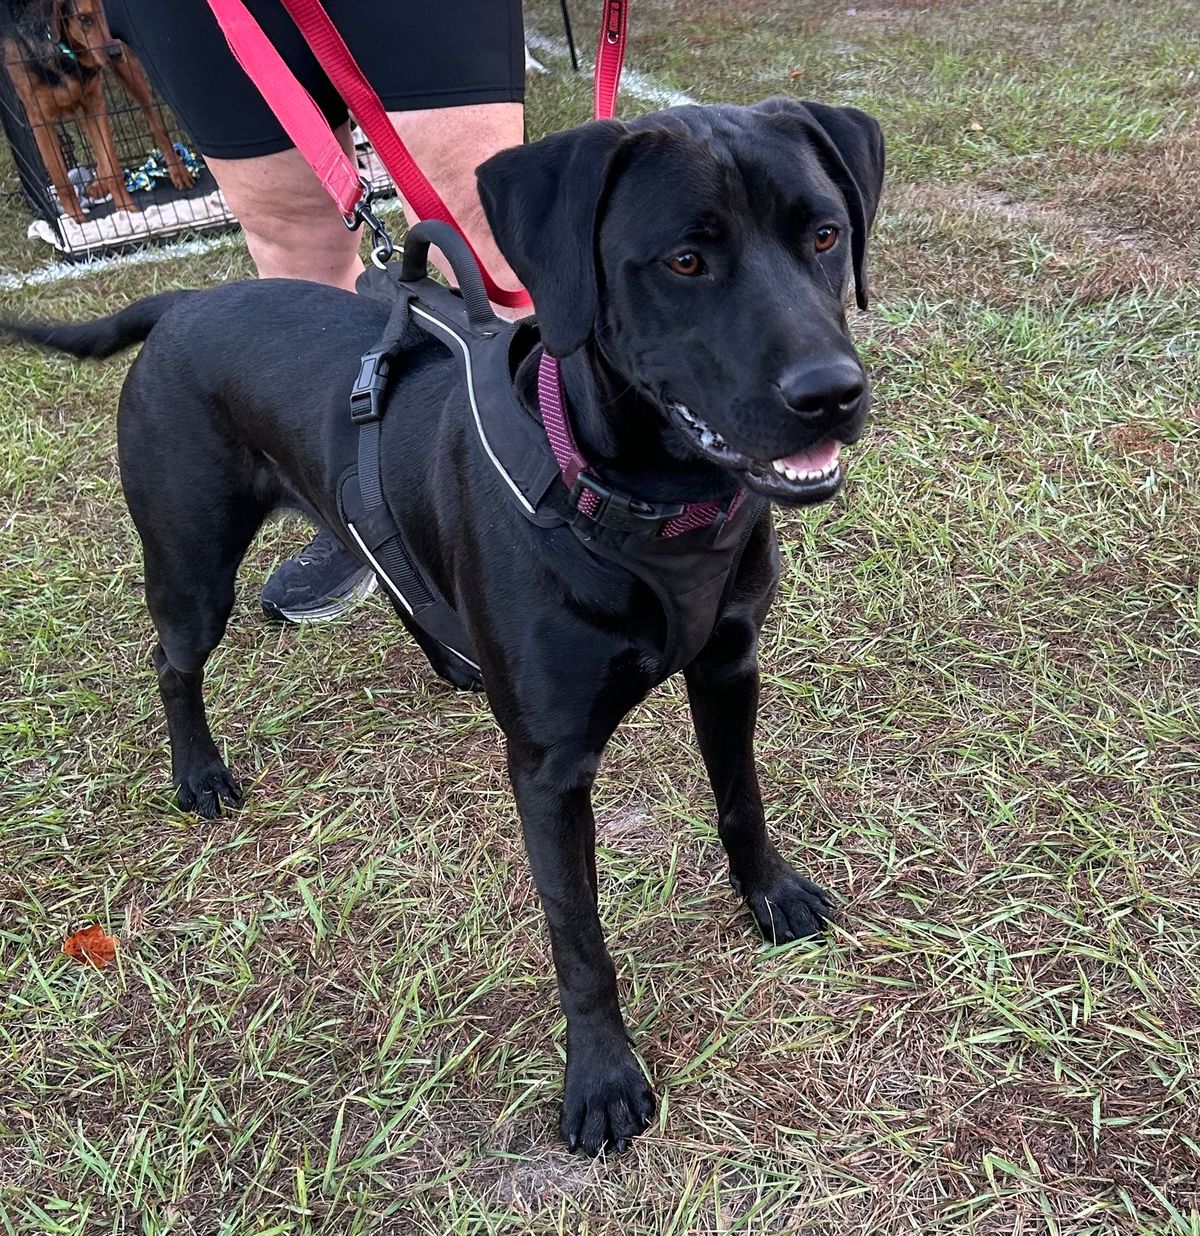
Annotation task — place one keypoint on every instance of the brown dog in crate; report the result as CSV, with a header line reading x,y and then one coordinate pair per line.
x,y
56,52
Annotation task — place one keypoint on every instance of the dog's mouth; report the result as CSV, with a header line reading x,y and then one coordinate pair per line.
x,y
813,474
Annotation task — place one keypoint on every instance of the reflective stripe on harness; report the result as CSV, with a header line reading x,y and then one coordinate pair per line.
x,y
443,329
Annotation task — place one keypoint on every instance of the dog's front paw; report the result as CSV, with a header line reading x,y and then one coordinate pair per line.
x,y
607,1101
787,907
208,790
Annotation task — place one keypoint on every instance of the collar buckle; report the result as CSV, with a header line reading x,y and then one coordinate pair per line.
x,y
620,512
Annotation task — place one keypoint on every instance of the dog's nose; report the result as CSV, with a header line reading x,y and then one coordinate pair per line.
x,y
113,51
831,389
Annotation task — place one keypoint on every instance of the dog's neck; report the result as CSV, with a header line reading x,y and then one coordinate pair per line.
x,y
624,436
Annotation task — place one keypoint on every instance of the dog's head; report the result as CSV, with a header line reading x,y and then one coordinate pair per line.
x,y
708,252
82,26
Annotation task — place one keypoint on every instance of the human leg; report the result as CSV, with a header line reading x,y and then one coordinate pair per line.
x,y
293,229
449,143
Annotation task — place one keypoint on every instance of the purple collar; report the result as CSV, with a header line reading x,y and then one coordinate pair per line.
x,y
586,491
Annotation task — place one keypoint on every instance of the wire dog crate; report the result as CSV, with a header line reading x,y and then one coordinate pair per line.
x,y
97,159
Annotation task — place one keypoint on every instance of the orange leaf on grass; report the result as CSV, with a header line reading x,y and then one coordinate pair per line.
x,y
91,944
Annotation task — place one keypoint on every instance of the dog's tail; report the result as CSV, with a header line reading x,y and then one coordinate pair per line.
x,y
100,337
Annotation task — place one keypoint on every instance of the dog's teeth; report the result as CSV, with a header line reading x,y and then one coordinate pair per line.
x,y
809,475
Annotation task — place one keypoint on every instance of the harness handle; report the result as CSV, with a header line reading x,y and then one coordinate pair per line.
x,y
459,254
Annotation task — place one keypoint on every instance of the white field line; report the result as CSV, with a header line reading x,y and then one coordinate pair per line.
x,y
57,272
640,85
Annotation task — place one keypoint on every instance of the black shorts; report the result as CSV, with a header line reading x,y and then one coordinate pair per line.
x,y
416,54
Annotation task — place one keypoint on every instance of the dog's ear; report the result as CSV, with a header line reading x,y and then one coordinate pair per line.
x,y
56,23
850,144
543,202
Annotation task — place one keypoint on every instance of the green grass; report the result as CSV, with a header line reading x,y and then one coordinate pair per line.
x,y
333,1011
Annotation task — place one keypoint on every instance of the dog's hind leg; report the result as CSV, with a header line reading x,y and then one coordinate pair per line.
x,y
203,783
196,505
189,592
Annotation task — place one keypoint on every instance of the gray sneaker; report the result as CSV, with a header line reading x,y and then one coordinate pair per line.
x,y
322,581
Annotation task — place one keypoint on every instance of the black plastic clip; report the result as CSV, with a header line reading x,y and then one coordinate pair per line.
x,y
619,512
366,395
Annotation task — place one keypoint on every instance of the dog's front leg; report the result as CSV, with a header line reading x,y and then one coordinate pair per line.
x,y
109,172
607,1100
46,135
723,694
137,86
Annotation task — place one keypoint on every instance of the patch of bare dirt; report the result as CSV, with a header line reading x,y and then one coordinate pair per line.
x,y
1139,440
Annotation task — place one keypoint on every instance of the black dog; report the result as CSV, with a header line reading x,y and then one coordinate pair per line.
x,y
690,268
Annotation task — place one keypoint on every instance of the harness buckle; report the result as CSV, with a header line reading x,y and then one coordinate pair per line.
x,y
620,512
366,395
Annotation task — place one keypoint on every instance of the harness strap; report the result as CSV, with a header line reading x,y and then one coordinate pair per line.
x,y
378,536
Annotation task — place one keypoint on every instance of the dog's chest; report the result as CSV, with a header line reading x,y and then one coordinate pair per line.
x,y
504,457
691,577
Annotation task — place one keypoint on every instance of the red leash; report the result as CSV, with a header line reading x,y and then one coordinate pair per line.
x,y
309,130
610,55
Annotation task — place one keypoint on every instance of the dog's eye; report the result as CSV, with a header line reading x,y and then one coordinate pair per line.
x,y
824,239
687,263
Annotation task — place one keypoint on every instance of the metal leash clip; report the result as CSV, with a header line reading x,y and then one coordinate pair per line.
x,y
383,248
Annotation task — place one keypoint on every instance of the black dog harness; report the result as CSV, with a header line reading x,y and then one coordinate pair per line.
x,y
686,553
